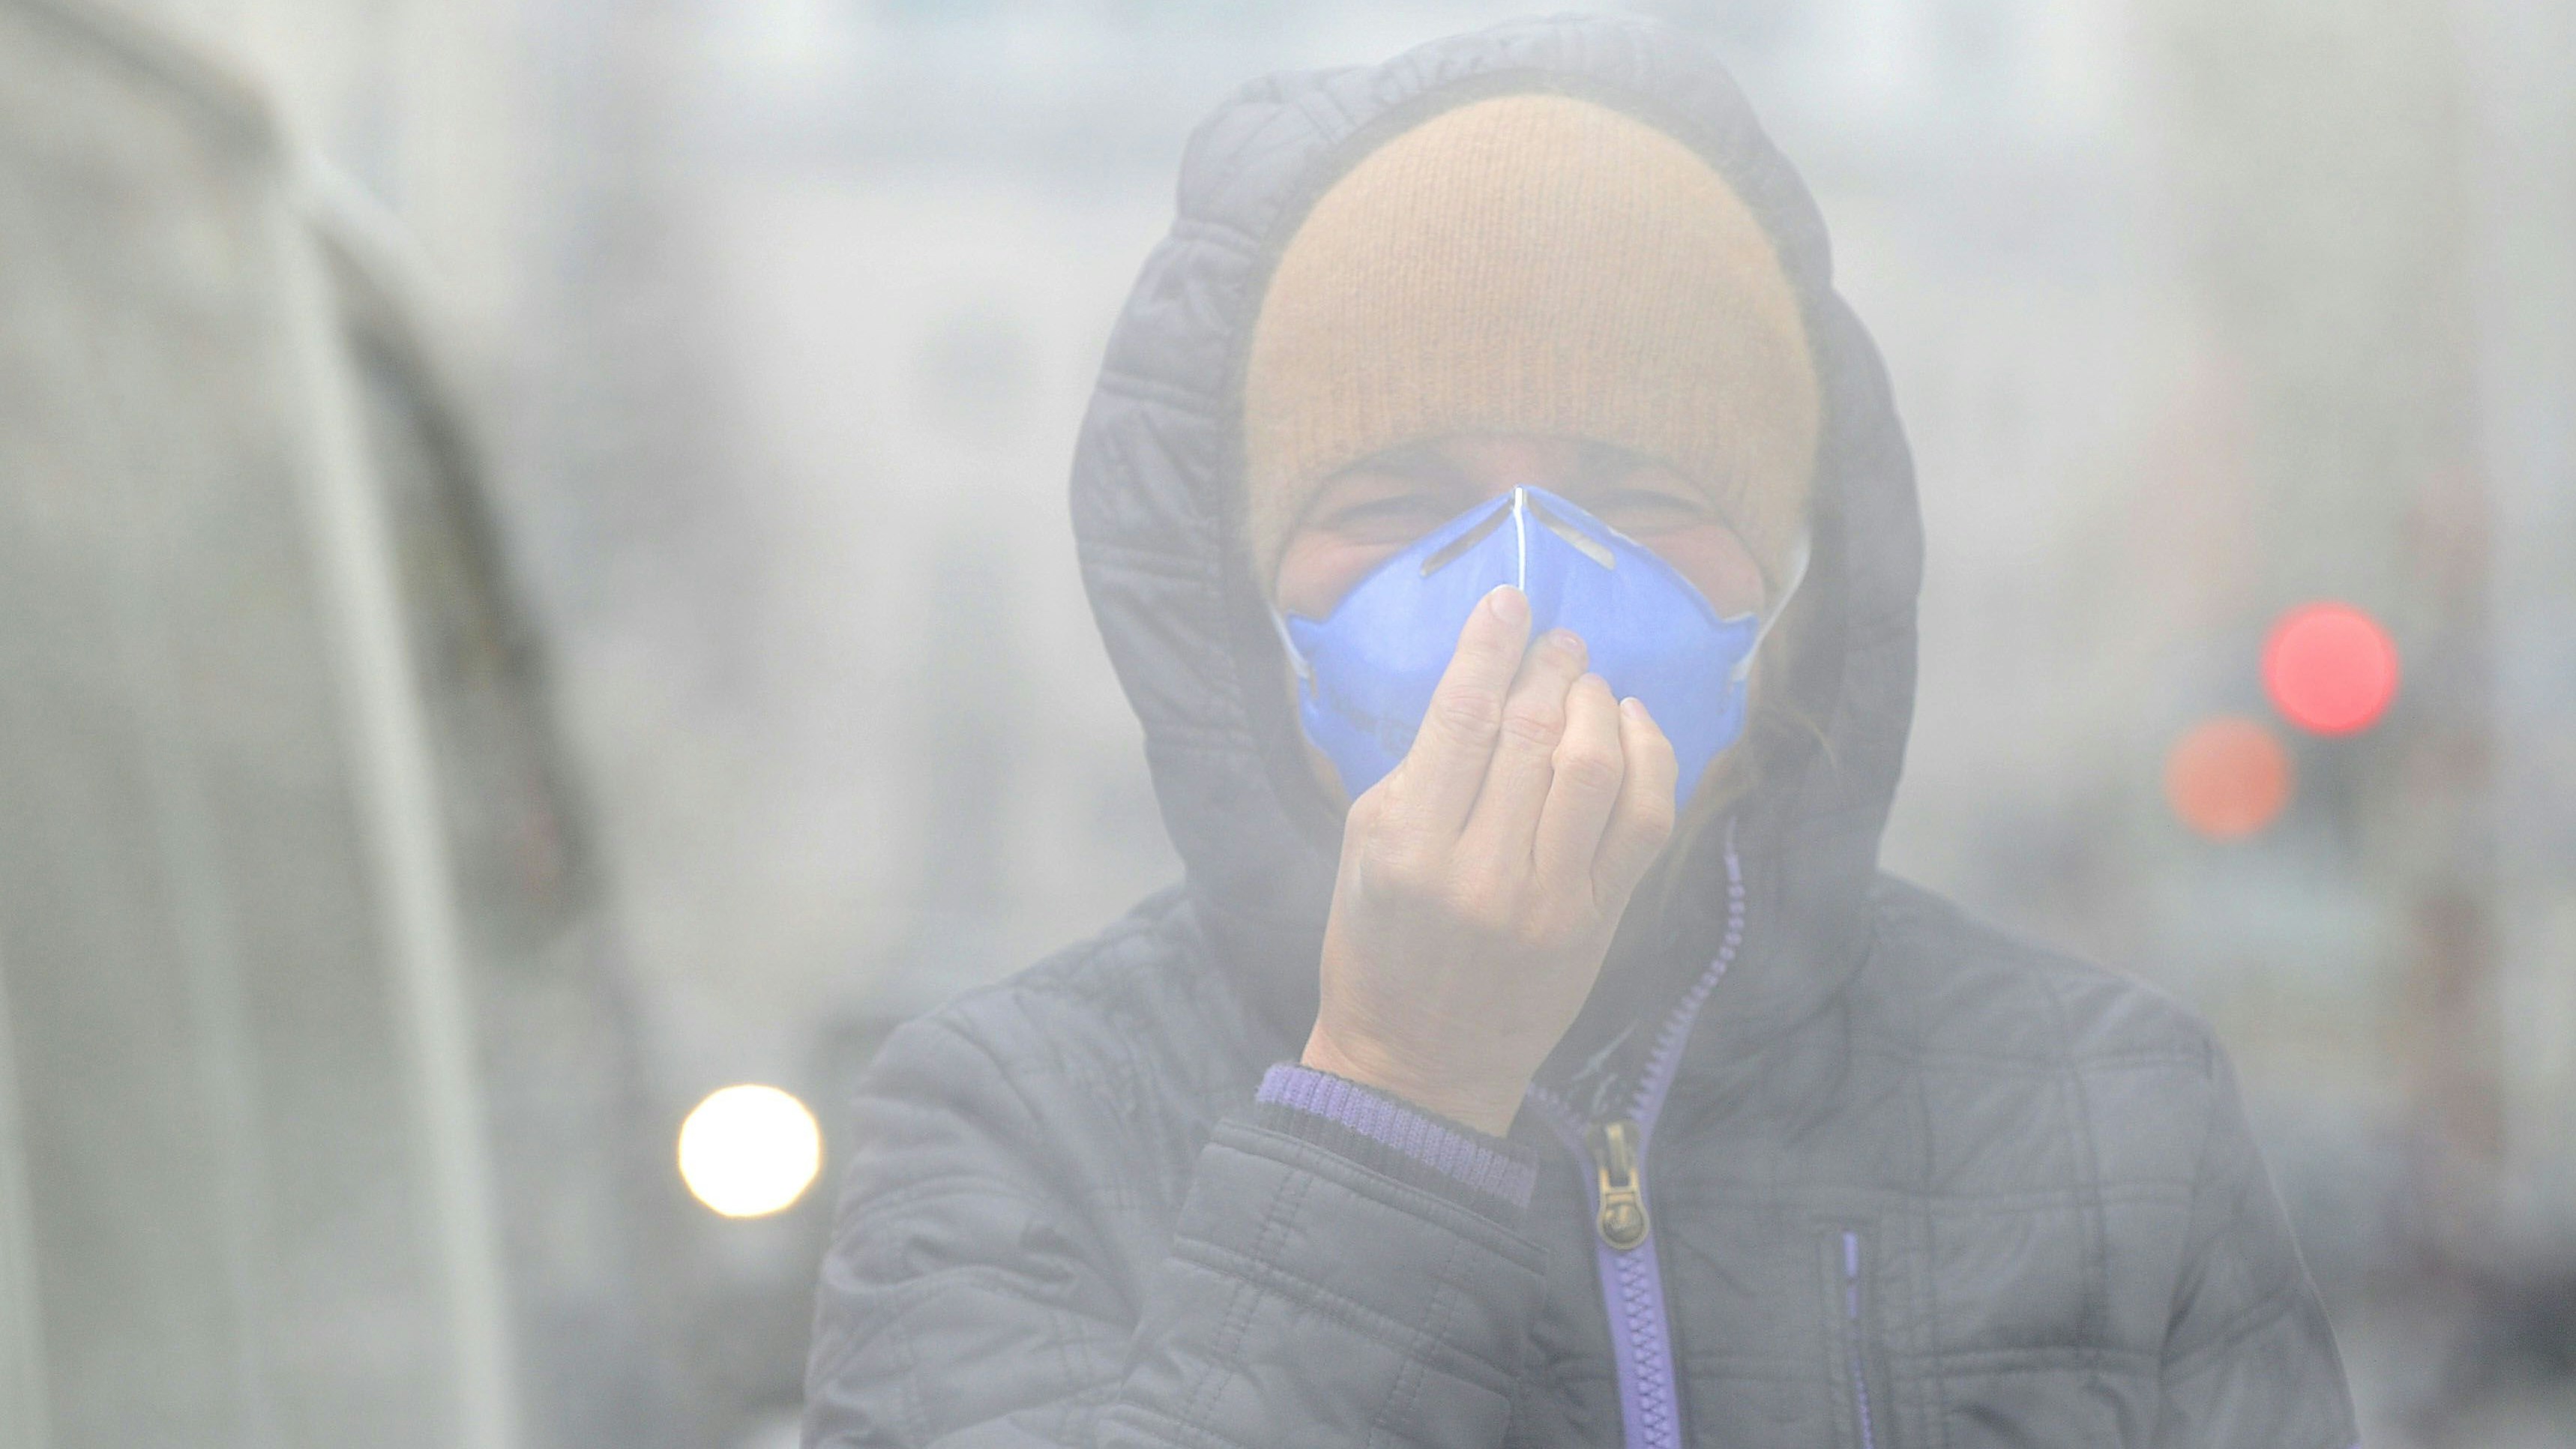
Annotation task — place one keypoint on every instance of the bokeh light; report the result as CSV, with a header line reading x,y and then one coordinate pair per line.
x,y
749,1150
2329,668
2227,778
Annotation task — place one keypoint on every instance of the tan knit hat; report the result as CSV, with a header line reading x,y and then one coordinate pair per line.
x,y
1534,264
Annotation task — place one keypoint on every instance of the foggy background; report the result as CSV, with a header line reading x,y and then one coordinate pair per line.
x,y
772,321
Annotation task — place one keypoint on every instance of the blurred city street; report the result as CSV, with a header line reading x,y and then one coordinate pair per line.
x,y
719,366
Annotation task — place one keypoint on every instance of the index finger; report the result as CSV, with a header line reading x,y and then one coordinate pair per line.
x,y
1446,766
1643,819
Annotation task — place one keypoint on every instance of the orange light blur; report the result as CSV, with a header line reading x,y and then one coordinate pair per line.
x,y
2227,778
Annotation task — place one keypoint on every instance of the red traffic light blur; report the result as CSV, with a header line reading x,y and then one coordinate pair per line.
x,y
2329,668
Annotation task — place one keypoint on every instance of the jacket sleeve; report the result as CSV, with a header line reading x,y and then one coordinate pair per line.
x,y
1340,1263
2249,1360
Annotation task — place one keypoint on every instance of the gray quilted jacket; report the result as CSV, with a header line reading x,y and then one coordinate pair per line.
x,y
1824,1162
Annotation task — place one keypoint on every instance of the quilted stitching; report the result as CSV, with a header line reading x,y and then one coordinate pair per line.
x,y
1062,1226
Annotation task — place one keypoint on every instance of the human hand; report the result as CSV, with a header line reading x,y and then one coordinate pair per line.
x,y
1482,879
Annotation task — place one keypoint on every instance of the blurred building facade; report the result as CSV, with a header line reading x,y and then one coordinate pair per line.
x,y
313,1072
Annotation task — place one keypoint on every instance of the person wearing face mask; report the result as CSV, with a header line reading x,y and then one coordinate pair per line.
x,y
1505,536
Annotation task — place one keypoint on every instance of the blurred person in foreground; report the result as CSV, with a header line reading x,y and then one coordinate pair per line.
x,y
1505,535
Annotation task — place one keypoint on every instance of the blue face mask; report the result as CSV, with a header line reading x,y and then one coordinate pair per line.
x,y
1365,674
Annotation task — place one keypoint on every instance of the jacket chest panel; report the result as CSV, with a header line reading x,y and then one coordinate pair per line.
x,y
1881,1317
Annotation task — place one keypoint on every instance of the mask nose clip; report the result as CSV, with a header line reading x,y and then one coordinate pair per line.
x,y
1519,508
1465,543
1583,543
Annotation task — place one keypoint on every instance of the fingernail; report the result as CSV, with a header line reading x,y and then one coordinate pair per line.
x,y
1565,640
1634,708
1508,604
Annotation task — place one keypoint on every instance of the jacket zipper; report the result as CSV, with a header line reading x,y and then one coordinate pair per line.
x,y
1632,1280
1619,1187
1854,1340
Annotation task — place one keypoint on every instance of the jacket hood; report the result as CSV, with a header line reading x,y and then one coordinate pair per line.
x,y
1157,499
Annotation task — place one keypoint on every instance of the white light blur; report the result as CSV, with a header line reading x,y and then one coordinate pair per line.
x,y
749,1150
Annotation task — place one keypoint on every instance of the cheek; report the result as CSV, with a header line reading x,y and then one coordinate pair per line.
x,y
1318,570
1716,563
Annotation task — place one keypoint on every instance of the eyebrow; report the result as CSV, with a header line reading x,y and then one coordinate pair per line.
x,y
1602,462
1596,463
1421,460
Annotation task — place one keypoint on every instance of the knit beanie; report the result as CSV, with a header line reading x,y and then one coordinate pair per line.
x,y
1534,264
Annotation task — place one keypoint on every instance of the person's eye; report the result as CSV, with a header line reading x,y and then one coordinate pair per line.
x,y
1639,511
1386,518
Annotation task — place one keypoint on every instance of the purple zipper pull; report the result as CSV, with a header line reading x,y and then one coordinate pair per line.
x,y
1621,1191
